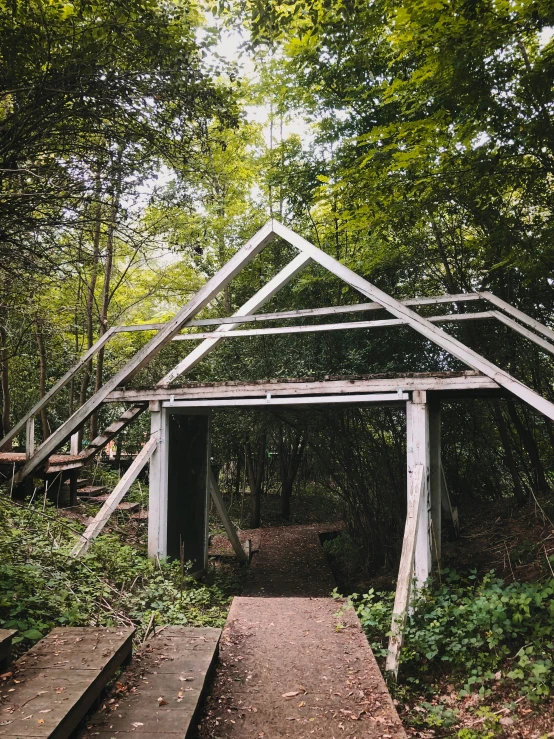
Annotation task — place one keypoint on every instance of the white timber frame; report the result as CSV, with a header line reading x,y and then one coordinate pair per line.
x,y
425,477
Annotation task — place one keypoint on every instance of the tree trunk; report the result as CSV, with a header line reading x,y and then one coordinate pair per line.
x,y
290,456
45,426
106,287
255,468
91,288
520,495
5,381
530,446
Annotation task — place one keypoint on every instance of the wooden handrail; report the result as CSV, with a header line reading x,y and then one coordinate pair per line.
x,y
61,383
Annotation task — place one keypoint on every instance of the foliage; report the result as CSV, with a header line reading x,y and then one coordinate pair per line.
x,y
482,630
114,583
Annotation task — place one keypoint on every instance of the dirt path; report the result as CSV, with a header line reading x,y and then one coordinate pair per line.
x,y
293,661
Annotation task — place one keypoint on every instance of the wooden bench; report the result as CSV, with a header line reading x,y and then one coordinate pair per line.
x,y
163,687
6,636
57,681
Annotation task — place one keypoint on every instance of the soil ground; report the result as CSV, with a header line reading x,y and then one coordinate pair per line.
x,y
294,662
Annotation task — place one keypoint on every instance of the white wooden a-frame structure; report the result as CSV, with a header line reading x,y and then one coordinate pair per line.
x,y
180,413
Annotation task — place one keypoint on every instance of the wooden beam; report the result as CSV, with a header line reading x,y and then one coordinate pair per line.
x,y
157,486
306,312
114,499
466,382
515,326
516,313
435,477
256,301
454,318
419,323
269,401
225,518
61,383
30,437
124,420
405,572
418,453
206,293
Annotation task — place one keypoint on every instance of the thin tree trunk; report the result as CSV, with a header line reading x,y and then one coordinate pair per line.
x,y
91,288
531,449
42,379
5,381
519,493
255,467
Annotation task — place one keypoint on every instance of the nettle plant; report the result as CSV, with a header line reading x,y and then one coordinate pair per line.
x,y
483,628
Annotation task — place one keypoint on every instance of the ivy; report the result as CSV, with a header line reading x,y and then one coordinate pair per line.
x,y
484,629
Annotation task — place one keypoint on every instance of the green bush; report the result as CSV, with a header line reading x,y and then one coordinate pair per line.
x,y
480,629
41,586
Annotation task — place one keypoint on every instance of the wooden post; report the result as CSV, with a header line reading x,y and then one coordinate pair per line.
x,y
74,444
435,477
417,449
73,475
29,437
157,498
406,570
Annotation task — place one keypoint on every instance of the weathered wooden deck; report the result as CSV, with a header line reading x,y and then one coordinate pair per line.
x,y
162,687
57,681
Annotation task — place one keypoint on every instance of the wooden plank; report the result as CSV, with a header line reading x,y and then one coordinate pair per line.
x,y
86,491
30,437
225,518
206,293
168,678
419,323
59,679
516,313
515,326
256,301
6,636
454,318
405,572
458,382
116,496
313,400
306,312
435,478
418,452
62,382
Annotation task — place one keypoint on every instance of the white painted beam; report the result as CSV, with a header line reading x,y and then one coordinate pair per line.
x,y
397,397
418,453
516,313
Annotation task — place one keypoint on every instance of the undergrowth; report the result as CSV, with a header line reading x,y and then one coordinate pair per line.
x,y
41,586
480,633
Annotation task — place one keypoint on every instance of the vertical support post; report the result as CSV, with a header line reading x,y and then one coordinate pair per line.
x,y
30,437
74,444
73,475
157,497
435,477
417,449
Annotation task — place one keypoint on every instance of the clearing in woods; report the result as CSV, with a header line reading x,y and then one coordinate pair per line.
x,y
293,661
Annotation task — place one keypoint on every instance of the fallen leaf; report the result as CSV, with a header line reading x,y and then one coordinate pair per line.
x,y
45,710
136,724
40,721
291,694
301,704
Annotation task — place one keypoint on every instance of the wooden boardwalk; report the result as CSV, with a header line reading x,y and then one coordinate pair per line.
x,y
159,694
300,665
57,681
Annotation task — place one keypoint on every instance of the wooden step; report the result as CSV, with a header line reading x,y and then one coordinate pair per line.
x,y
59,679
91,491
167,679
6,636
141,515
82,482
124,506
